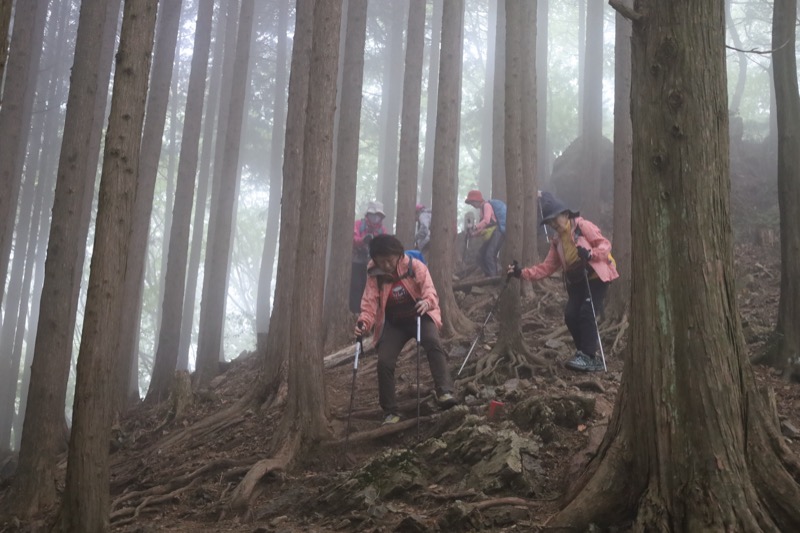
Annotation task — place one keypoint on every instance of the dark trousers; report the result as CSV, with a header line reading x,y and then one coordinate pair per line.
x,y
358,281
487,255
393,338
578,313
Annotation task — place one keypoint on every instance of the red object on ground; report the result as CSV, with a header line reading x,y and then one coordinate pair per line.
x,y
495,409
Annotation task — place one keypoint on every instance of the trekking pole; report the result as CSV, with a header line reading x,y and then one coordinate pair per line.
x,y
359,349
483,327
419,338
596,327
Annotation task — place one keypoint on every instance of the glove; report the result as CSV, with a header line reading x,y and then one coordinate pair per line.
x,y
584,253
367,238
515,270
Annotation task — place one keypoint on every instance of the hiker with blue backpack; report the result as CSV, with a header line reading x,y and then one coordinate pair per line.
x,y
491,228
398,299
364,230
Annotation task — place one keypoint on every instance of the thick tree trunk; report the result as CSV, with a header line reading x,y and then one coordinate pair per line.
x,y
786,346
275,180
166,357
498,107
431,108
169,17
337,320
5,25
34,488
619,296
212,310
15,113
85,505
225,32
485,166
543,152
408,167
691,446
445,169
529,180
391,100
592,121
272,377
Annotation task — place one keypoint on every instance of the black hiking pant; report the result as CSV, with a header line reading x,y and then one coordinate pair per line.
x,y
578,312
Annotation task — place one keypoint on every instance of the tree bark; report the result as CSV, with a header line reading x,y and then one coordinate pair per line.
x,y
691,445
498,107
408,166
212,310
34,488
619,296
543,152
592,118
5,25
432,102
263,307
15,113
272,378
529,180
445,169
169,17
85,505
166,357
485,165
337,319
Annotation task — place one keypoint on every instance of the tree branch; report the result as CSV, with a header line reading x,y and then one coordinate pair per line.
x,y
756,50
625,11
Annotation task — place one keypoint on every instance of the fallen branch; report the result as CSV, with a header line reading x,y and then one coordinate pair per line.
x,y
383,431
517,502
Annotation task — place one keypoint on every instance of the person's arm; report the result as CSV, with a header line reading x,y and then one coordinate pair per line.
x,y
358,237
544,269
369,303
423,277
600,246
486,219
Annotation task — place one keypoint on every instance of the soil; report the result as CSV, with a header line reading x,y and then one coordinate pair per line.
x,y
189,483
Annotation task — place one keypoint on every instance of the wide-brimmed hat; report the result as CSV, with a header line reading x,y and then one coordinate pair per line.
x,y
420,207
376,208
552,207
474,196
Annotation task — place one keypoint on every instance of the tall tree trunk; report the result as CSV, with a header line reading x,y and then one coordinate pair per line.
x,y
592,125
273,374
619,297
225,32
741,77
498,107
275,178
169,17
166,357
34,488
445,169
783,352
581,62
15,113
543,151
391,99
432,104
5,25
528,109
85,506
337,320
691,445
485,166
212,310
408,167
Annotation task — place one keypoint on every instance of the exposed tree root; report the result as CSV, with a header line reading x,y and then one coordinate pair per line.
x,y
504,363
148,501
243,493
382,431
372,414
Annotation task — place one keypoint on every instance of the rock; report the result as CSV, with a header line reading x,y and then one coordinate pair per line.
x,y
591,385
277,521
412,524
542,414
554,344
788,429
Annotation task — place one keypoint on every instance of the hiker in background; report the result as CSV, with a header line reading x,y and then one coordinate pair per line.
x,y
579,249
423,235
399,288
364,230
491,228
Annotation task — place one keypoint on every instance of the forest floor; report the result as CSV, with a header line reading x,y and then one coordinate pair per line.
x,y
547,427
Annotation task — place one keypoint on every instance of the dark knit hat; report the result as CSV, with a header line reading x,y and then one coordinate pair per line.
x,y
552,207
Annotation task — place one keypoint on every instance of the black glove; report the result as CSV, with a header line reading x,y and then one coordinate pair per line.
x,y
367,238
584,254
517,271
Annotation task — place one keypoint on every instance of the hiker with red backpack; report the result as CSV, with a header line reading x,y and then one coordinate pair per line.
x,y
398,299
364,230
491,228
578,248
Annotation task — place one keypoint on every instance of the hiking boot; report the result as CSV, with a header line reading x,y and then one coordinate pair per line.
x,y
446,400
584,363
390,419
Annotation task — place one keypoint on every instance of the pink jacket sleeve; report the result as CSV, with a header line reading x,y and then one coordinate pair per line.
x,y
358,237
544,269
369,303
601,246
488,215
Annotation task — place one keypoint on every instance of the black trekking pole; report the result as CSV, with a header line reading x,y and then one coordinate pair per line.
x,y
483,327
596,327
419,338
359,349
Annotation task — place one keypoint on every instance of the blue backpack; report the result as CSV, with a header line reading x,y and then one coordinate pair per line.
x,y
415,254
500,209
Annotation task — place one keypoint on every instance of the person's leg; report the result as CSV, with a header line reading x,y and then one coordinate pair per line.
x,y
490,253
587,320
482,258
576,294
392,341
358,281
436,357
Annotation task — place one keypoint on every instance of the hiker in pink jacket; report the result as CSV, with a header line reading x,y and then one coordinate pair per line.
x,y
578,248
364,229
399,288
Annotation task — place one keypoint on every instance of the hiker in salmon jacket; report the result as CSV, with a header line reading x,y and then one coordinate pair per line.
x,y
491,228
579,249
364,230
400,288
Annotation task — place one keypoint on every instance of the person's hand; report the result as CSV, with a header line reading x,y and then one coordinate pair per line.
x,y
359,330
514,270
367,238
422,307
584,253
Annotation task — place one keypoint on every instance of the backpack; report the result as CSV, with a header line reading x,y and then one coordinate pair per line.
x,y
500,209
415,254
